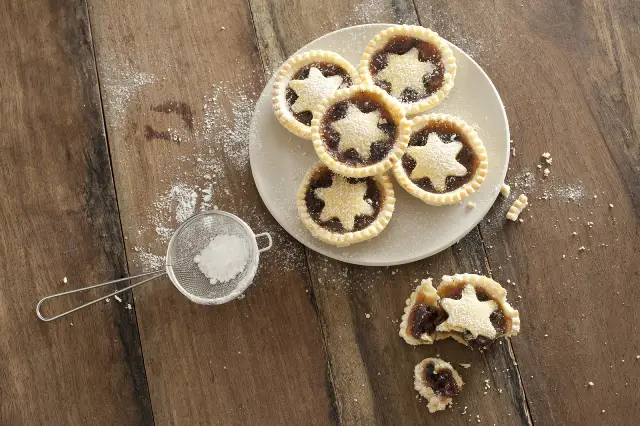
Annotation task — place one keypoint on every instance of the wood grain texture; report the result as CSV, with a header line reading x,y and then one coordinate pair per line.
x,y
568,77
360,308
179,81
59,217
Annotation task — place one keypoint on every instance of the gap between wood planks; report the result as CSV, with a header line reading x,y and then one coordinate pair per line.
x,y
331,394
333,399
127,336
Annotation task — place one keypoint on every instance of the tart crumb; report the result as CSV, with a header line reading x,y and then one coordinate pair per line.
x,y
222,28
505,190
610,206
591,384
463,365
471,205
517,207
546,172
367,315
64,280
581,248
129,306
115,296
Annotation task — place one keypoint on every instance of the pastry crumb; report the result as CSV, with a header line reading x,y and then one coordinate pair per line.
x,y
517,207
546,172
591,384
581,248
463,365
367,315
471,205
129,306
115,296
222,28
505,190
610,206
64,280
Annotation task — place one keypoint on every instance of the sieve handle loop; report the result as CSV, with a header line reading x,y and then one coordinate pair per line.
x,y
155,274
269,240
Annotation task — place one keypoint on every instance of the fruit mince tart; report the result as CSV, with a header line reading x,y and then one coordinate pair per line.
x,y
343,211
445,161
360,131
437,382
422,315
477,311
305,80
412,63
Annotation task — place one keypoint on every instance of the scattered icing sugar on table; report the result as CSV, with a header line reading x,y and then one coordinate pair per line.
x,y
223,258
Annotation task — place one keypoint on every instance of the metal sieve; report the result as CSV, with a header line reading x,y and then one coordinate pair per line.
x,y
186,242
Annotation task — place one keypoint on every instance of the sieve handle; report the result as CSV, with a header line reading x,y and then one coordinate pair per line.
x,y
268,237
155,274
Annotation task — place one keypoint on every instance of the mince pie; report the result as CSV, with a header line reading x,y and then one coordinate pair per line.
x,y
437,382
411,63
360,131
343,211
471,309
305,80
445,161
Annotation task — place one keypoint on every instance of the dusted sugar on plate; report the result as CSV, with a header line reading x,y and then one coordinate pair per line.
x,y
342,211
412,63
303,82
223,259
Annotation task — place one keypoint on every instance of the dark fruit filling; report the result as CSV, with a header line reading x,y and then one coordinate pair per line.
x,y
424,318
427,53
365,102
327,69
323,179
448,132
443,383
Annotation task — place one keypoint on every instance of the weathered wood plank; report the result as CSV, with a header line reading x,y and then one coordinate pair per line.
x,y
569,79
371,366
179,82
59,217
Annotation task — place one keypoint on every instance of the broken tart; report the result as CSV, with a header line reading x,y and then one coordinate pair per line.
x,y
445,161
305,80
343,211
421,315
411,63
437,382
360,131
469,308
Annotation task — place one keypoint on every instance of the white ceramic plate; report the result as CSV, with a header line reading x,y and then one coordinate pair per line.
x,y
279,160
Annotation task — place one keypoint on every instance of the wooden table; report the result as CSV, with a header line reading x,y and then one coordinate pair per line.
x,y
112,110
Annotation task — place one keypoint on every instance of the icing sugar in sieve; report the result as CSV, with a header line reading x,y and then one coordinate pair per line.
x,y
193,265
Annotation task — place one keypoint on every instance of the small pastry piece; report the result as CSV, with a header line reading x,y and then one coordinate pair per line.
x,y
421,315
305,80
411,63
517,207
505,190
343,211
437,382
477,311
445,161
360,131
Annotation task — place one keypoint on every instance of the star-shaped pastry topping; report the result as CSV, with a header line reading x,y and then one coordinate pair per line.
x,y
436,160
344,201
313,89
358,130
404,71
468,313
